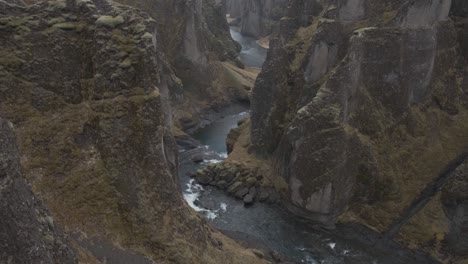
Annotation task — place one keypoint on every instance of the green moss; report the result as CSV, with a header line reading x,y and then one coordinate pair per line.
x,y
55,5
68,25
55,20
84,2
139,28
13,21
303,36
109,21
389,15
10,60
126,63
71,17
23,29
122,54
147,35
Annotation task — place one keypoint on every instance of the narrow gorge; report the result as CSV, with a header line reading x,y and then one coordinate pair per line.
x,y
234,131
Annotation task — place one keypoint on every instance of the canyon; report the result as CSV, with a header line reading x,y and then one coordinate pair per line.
x,y
233,131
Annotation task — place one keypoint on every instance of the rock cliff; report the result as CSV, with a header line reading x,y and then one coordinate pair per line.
x,y
260,18
86,85
359,109
455,201
194,36
27,231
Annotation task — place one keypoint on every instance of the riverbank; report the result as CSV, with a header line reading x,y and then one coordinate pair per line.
x,y
265,226
269,227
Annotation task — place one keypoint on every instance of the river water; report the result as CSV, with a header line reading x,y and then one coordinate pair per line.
x,y
267,224
252,55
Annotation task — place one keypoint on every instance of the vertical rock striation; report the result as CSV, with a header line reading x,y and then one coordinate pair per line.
x,y
194,36
260,18
86,85
362,107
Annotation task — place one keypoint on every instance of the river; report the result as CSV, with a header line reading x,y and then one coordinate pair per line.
x,y
252,54
267,224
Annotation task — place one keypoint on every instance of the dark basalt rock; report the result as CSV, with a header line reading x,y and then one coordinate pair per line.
x,y
237,181
248,199
241,192
28,233
86,84
204,176
346,107
455,201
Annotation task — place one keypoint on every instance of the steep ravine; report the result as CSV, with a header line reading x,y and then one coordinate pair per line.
x,y
268,226
337,155
85,86
358,112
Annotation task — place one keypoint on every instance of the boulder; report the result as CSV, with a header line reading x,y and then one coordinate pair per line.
x,y
251,181
248,199
204,177
197,159
235,187
243,191
222,185
253,191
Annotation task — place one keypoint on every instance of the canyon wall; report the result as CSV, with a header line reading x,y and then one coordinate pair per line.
x,y
455,201
85,84
361,108
260,18
194,36
27,231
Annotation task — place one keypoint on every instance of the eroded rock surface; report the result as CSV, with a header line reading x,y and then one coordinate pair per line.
x,y
258,18
28,233
194,36
86,85
362,107
455,201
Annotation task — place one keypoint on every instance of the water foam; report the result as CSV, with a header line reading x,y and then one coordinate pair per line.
x,y
191,195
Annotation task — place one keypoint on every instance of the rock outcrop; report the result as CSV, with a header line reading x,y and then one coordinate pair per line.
x,y
238,181
194,36
361,108
28,233
234,8
455,201
260,18
86,85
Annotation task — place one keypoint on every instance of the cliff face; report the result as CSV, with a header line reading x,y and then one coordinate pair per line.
x,y
455,201
85,83
362,108
260,18
234,8
191,30
196,41
27,231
